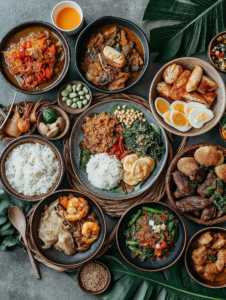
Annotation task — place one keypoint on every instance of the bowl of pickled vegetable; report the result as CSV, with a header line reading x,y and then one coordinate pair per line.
x,y
217,51
151,236
74,97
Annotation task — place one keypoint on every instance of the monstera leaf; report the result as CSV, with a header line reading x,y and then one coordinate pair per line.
x,y
176,284
199,21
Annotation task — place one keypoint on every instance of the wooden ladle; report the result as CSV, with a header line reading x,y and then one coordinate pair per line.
x,y
17,218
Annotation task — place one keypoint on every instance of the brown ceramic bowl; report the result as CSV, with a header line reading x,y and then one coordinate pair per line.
x,y
220,129
59,258
60,113
88,291
19,141
171,187
57,33
64,105
147,265
189,263
212,44
218,107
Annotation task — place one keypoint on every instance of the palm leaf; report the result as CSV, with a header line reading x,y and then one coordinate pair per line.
x,y
176,284
199,21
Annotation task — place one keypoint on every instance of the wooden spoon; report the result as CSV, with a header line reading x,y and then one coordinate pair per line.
x,y
17,218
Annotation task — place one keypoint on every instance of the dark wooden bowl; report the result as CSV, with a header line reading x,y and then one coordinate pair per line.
x,y
55,31
60,113
60,258
220,129
212,44
103,21
147,265
218,106
80,282
22,140
171,187
69,109
189,263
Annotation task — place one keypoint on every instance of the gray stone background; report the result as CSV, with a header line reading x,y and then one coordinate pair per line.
x,y
17,280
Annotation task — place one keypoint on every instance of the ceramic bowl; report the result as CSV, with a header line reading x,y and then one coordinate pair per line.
x,y
56,32
171,187
19,141
189,263
60,258
109,20
218,107
220,129
60,113
64,105
88,291
148,265
212,44
59,7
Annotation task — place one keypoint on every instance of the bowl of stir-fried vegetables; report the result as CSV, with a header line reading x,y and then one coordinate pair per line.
x,y
151,236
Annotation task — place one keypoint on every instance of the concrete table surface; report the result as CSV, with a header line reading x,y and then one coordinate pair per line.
x,y
17,280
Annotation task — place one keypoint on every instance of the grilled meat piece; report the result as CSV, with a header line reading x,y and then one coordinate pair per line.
x,y
196,213
199,256
221,260
177,194
209,213
198,175
205,239
183,184
207,183
218,244
119,82
211,175
199,269
192,203
211,272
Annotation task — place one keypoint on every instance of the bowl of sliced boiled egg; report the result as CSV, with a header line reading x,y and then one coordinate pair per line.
x,y
187,96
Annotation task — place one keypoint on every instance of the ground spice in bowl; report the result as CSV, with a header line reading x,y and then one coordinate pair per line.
x,y
94,277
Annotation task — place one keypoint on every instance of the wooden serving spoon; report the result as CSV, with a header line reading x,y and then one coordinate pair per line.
x,y
17,218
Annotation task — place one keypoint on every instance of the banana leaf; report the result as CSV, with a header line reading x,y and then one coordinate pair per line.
x,y
175,284
197,23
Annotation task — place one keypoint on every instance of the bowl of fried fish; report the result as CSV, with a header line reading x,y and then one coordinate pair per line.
x,y
187,96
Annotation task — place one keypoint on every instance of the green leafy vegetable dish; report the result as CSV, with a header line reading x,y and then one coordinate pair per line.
x,y
151,234
120,150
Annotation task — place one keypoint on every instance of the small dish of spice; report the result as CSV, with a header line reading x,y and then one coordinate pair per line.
x,y
93,278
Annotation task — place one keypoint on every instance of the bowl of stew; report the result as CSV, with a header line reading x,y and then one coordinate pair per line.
x,y
34,57
112,54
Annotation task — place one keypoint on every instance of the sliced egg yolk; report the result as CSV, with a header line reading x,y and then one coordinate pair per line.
x,y
180,120
179,107
190,109
167,116
202,117
162,106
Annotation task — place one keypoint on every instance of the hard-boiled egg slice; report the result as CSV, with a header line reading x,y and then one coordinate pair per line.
x,y
180,121
166,117
178,105
162,106
199,116
192,105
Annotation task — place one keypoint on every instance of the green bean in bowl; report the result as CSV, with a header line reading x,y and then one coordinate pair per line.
x,y
76,95
151,234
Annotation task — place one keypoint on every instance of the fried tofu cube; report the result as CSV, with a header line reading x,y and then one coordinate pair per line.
x,y
172,73
206,85
194,97
210,97
163,90
179,88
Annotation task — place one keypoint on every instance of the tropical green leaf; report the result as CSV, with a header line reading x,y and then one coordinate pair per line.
x,y
199,21
175,285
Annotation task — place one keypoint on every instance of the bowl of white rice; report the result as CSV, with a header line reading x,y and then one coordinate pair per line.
x,y
31,167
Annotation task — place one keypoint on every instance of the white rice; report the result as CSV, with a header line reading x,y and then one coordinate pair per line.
x,y
104,171
31,169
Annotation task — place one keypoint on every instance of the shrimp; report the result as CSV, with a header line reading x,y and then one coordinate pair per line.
x,y
77,208
90,231
23,123
11,126
33,115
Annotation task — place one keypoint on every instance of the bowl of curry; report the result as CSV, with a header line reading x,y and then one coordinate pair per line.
x,y
112,54
34,57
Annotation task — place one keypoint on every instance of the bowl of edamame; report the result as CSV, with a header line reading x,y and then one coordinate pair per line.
x,y
74,97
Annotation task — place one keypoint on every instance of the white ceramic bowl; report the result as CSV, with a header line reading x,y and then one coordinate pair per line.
x,y
62,5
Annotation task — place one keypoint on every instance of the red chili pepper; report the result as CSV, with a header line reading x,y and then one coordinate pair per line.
x,y
129,187
123,187
220,55
121,137
158,252
113,150
126,153
163,244
144,218
137,224
212,53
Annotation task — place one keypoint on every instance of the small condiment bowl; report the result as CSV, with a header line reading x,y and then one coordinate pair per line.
x,y
88,291
64,105
62,5
212,44
60,113
220,129
188,260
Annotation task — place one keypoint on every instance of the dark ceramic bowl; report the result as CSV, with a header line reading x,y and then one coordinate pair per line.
x,y
220,129
57,33
60,258
109,20
148,265
189,264
212,44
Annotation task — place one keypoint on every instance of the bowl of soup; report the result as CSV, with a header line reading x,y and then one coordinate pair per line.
x,y
34,57
112,54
